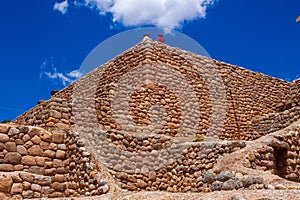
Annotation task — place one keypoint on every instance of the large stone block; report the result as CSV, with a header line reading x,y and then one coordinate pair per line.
x,y
13,158
35,150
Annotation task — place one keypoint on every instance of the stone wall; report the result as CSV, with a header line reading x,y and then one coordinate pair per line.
x,y
272,122
280,157
143,163
37,163
248,95
53,113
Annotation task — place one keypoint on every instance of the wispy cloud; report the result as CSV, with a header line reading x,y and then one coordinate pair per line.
x,y
169,14
61,7
49,70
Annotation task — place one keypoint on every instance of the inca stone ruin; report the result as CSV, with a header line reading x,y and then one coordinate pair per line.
x,y
162,123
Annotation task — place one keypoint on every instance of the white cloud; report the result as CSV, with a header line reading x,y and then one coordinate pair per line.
x,y
61,7
75,74
161,13
48,70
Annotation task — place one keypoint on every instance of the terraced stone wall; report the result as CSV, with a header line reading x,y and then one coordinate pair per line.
x,y
53,113
36,163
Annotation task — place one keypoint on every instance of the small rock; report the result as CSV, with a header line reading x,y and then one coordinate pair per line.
x,y
6,183
101,182
152,176
209,177
280,187
26,177
103,189
60,154
247,181
217,185
229,185
13,131
141,184
4,138
224,176
36,188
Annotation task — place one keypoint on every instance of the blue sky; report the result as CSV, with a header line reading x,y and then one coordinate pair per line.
x,y
41,48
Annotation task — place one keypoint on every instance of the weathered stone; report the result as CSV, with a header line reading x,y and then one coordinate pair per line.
x,y
19,167
26,138
257,179
45,136
37,170
26,185
247,181
16,178
16,197
19,141
50,172
292,176
58,186
4,138
229,185
152,176
6,167
59,178
4,128
36,140
103,189
5,183
27,194
36,188
53,146
217,185
58,137
57,163
49,153
44,145
5,196
13,131
60,154
16,188
35,150
209,177
11,146
141,184
28,160
28,144
13,158
27,177
21,150
224,176
55,114
43,180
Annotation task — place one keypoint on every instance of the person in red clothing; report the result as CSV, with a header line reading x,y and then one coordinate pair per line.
x,y
160,38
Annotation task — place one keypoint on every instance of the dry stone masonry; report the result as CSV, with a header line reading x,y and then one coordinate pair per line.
x,y
155,118
37,163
